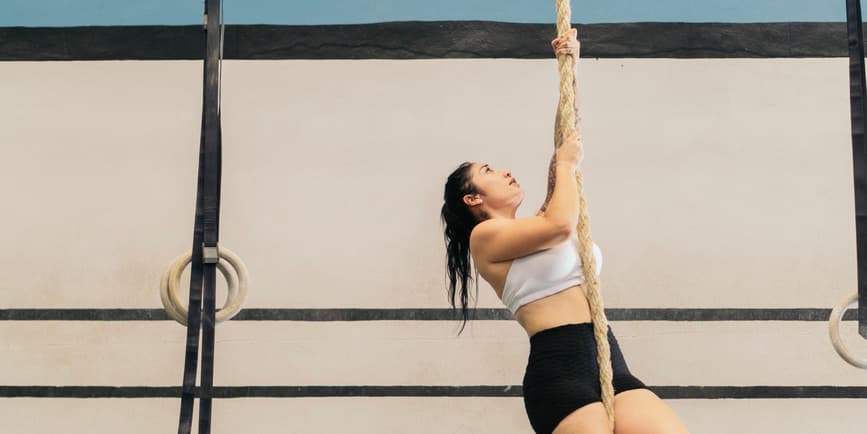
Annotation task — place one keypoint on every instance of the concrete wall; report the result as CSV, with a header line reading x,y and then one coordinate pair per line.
x,y
711,183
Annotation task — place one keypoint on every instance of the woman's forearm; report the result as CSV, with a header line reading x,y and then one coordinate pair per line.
x,y
552,180
558,139
559,130
563,207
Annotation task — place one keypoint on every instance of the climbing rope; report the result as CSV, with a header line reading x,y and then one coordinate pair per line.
x,y
570,122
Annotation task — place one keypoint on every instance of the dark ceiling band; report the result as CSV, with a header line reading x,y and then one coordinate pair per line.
x,y
858,99
428,40
202,304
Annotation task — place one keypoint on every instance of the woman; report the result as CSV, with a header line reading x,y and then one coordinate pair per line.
x,y
533,265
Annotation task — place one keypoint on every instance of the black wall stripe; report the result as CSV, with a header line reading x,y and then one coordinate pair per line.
x,y
640,314
424,40
665,392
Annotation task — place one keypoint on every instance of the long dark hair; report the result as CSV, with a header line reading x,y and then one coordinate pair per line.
x,y
458,223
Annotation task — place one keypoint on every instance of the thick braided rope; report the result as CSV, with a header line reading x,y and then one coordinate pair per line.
x,y
571,122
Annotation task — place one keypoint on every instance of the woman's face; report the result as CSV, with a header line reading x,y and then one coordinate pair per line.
x,y
498,189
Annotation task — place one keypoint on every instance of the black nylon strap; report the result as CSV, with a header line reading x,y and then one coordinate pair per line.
x,y
202,302
191,356
858,101
211,215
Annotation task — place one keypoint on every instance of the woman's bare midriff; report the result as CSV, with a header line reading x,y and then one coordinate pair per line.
x,y
569,306
565,307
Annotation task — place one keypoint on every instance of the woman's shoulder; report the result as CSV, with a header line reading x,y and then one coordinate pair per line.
x,y
484,231
487,228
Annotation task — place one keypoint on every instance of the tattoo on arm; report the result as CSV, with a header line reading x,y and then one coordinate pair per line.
x,y
558,130
552,173
552,177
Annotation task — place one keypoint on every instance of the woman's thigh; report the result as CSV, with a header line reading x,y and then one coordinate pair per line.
x,y
589,419
640,411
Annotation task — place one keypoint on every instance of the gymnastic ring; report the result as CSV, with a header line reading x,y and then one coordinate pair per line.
x,y
169,293
237,287
237,282
834,331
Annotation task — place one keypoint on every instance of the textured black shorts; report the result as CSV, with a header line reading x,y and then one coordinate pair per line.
x,y
562,374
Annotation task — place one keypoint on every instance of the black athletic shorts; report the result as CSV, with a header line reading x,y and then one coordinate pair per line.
x,y
563,375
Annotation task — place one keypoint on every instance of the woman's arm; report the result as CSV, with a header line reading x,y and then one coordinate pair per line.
x,y
496,240
573,46
552,180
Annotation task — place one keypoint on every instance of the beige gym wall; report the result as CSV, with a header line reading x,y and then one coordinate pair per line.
x,y
711,184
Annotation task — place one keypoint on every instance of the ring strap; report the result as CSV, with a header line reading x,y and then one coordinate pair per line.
x,y
858,100
202,304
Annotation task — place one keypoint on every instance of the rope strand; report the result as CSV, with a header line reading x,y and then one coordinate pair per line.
x,y
570,122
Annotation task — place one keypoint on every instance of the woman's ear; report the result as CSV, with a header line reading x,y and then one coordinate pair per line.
x,y
472,200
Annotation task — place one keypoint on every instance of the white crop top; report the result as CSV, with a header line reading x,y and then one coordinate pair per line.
x,y
546,272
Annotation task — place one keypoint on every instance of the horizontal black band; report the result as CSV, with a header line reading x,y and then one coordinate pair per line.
x,y
425,40
640,314
665,392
